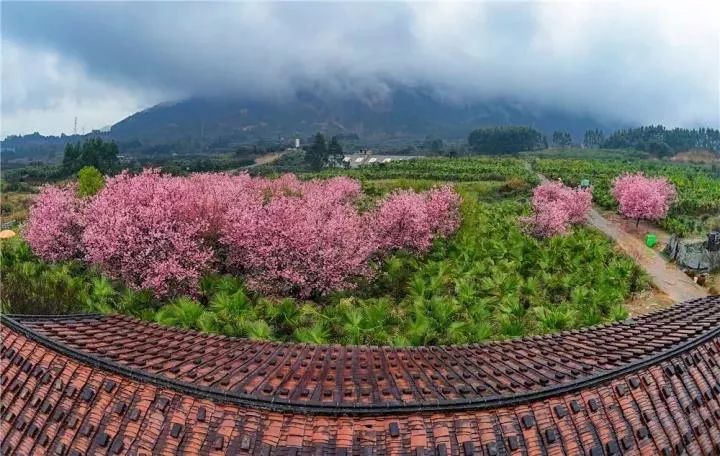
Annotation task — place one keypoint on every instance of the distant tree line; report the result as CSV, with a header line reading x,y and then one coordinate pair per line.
x,y
656,139
505,140
433,145
561,139
94,152
247,150
102,156
321,153
594,138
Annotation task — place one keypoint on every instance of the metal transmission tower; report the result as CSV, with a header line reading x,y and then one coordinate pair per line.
x,y
75,127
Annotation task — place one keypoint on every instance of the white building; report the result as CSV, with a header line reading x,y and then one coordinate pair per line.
x,y
361,159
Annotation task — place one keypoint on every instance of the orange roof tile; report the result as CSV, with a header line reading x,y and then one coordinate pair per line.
x,y
93,384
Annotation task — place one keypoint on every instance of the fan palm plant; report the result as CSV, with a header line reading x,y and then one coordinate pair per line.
x,y
510,326
419,287
351,323
418,329
229,305
212,284
618,312
101,297
183,312
258,330
316,334
442,311
479,331
207,322
554,318
465,290
135,302
285,315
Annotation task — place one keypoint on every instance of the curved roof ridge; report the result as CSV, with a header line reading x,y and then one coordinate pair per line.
x,y
68,391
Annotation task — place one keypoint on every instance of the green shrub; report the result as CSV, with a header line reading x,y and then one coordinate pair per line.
x,y
30,286
90,181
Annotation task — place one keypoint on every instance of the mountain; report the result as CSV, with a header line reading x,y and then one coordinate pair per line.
x,y
404,116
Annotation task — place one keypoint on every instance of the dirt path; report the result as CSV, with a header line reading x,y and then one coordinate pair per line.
x,y
267,158
664,275
672,283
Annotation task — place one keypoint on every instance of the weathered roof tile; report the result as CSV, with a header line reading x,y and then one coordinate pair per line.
x,y
90,384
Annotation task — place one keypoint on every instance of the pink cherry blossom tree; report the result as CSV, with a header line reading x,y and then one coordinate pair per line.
x,y
285,236
643,198
139,229
556,207
308,238
443,210
401,222
209,196
55,224
409,220
302,244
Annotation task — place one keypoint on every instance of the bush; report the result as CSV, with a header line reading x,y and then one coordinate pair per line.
x,y
141,229
30,286
306,239
409,220
90,181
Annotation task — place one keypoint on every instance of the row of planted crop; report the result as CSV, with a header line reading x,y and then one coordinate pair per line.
x,y
443,169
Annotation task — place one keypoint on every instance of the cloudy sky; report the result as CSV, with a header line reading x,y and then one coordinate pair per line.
x,y
637,62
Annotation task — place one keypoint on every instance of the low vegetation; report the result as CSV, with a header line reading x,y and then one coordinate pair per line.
x,y
490,279
466,169
298,238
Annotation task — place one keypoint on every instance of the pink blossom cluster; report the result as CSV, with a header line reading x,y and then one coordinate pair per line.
x,y
641,197
309,238
556,207
285,236
148,231
303,243
55,224
410,220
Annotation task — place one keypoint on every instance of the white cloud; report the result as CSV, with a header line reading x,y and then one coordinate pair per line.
x,y
44,91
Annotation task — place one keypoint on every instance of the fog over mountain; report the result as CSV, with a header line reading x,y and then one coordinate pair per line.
x,y
617,62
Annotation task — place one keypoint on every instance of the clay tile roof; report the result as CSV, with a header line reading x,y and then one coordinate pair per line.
x,y
89,384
